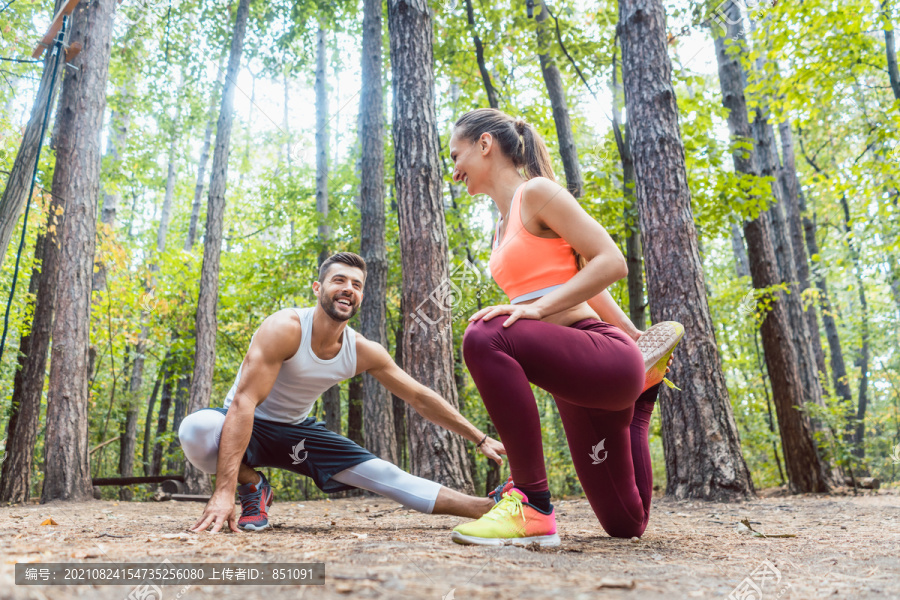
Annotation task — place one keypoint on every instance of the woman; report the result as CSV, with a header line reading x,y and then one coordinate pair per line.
x,y
551,335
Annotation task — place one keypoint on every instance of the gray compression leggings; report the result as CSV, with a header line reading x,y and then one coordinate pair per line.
x,y
199,436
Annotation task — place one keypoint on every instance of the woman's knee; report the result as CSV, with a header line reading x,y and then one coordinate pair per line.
x,y
199,435
628,530
479,339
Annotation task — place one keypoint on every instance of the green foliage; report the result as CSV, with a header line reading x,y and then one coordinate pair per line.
x,y
822,68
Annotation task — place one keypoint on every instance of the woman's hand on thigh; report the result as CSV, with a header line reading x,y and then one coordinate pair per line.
x,y
515,312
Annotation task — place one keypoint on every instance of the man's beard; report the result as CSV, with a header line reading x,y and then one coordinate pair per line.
x,y
328,305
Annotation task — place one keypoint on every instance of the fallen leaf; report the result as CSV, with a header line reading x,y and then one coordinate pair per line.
x,y
49,521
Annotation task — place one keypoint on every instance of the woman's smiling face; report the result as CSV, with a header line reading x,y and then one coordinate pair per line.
x,y
468,157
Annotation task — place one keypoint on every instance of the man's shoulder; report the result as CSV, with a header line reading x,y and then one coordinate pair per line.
x,y
369,353
286,320
281,332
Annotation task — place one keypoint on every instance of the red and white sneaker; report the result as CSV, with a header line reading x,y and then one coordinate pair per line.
x,y
255,502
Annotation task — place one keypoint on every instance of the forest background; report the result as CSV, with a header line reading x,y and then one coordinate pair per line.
x,y
822,73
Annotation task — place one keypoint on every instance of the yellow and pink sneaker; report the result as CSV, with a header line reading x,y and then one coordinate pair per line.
x,y
512,521
657,345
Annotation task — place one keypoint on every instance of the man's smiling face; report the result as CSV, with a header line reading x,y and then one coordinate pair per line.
x,y
341,291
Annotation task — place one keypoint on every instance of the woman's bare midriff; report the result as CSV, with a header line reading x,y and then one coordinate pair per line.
x,y
579,312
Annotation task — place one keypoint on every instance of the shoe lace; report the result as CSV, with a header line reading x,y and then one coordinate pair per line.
x,y
507,507
250,504
670,384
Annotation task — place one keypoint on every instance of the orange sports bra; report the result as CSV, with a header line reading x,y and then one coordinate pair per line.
x,y
526,266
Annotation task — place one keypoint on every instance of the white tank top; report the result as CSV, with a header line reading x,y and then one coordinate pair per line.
x,y
303,377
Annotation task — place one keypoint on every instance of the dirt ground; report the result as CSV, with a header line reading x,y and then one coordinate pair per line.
x,y
845,546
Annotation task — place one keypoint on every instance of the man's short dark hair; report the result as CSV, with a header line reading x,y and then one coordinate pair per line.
x,y
347,258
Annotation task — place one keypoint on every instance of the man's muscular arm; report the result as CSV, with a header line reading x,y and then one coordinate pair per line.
x,y
374,359
277,339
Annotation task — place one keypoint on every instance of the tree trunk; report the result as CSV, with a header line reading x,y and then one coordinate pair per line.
x,y
479,57
166,211
435,453
204,158
205,347
331,398
890,50
22,428
25,408
118,124
557,94
790,187
15,194
76,178
637,308
798,329
862,360
805,471
151,404
355,411
321,143
162,423
741,260
799,332
838,368
703,453
127,445
182,395
378,410
397,403
761,366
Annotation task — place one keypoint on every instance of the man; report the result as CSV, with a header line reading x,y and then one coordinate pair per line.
x,y
294,356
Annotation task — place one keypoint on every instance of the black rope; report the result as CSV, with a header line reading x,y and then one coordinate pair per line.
x,y
57,52
8,4
19,60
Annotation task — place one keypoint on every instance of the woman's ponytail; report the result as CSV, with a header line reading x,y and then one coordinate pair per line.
x,y
516,138
535,157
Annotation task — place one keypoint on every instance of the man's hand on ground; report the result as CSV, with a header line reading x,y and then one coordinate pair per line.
x,y
219,511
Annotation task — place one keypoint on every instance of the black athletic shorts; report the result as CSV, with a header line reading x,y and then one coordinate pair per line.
x,y
307,448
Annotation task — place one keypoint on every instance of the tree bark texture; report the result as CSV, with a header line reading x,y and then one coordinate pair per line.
x,y
435,453
378,409
77,179
790,187
700,438
805,472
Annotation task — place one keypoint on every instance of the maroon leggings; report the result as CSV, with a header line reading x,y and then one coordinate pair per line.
x,y
595,373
